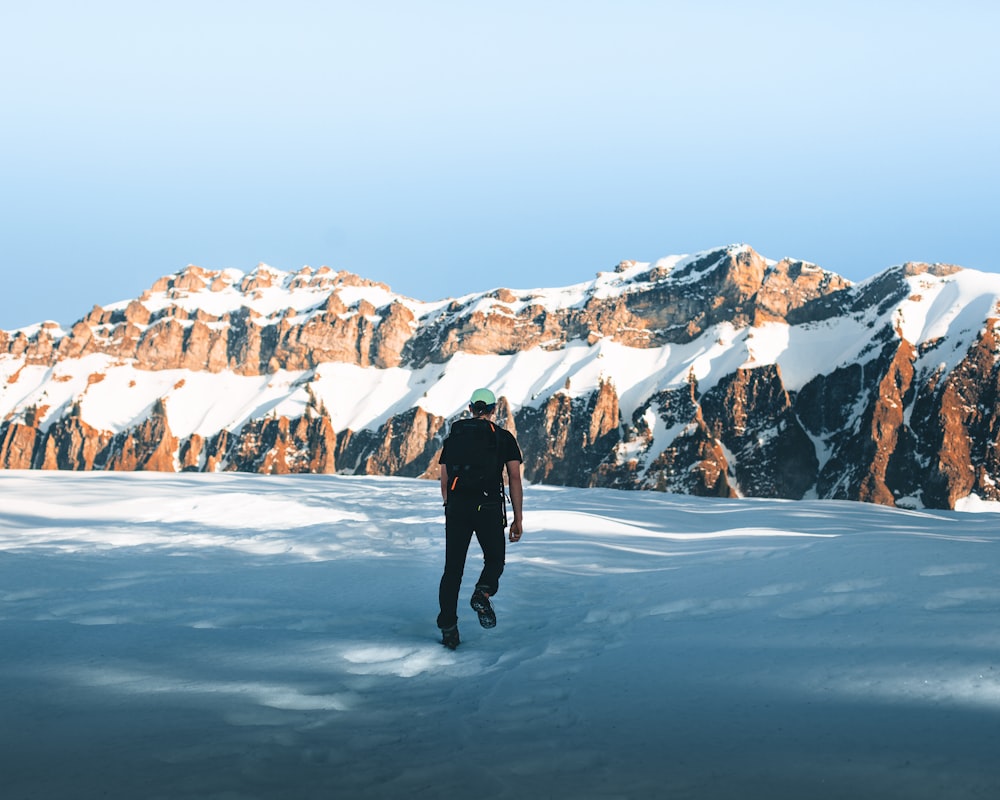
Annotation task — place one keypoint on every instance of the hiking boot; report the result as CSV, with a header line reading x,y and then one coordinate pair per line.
x,y
480,603
449,637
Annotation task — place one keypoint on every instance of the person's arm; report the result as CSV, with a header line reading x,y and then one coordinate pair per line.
x,y
516,498
444,483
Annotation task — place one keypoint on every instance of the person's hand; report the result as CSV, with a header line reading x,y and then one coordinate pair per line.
x,y
515,531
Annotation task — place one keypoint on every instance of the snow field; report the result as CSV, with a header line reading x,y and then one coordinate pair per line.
x,y
242,636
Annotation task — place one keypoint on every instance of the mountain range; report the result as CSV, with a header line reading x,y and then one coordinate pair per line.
x,y
722,373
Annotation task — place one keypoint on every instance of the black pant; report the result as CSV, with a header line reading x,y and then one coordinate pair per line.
x,y
462,519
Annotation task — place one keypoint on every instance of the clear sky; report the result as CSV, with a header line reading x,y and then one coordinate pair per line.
x,y
451,146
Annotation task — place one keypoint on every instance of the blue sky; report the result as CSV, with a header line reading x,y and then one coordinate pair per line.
x,y
450,147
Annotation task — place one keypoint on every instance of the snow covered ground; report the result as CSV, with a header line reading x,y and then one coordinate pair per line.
x,y
240,636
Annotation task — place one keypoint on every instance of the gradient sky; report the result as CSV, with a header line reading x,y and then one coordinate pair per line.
x,y
455,146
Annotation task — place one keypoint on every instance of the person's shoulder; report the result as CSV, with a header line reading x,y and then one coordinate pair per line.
x,y
509,444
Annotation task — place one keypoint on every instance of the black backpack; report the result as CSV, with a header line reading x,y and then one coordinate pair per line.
x,y
474,459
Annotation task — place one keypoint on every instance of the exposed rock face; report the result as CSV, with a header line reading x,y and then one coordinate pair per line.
x,y
566,440
148,447
751,414
402,446
960,428
17,446
908,413
279,446
693,461
73,444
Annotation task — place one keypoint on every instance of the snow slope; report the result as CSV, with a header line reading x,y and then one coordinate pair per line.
x,y
238,636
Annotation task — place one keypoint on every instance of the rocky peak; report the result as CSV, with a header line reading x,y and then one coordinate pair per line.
x,y
913,268
263,277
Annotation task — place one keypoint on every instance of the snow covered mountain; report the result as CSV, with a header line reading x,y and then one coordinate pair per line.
x,y
722,373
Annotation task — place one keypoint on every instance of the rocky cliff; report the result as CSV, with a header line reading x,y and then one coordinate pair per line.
x,y
722,373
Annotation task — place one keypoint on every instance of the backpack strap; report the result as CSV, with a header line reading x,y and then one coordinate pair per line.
x,y
503,465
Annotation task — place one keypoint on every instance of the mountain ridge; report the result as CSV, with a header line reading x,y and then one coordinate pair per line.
x,y
721,372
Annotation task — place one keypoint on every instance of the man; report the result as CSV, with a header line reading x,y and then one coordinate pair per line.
x,y
472,462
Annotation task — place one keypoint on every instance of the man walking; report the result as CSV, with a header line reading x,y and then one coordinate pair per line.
x,y
472,461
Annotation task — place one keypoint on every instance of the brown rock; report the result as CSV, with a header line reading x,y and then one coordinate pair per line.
x,y
390,337
886,422
189,453
124,341
77,342
150,446
405,444
192,279
137,314
260,278
967,451
73,444
162,345
17,445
